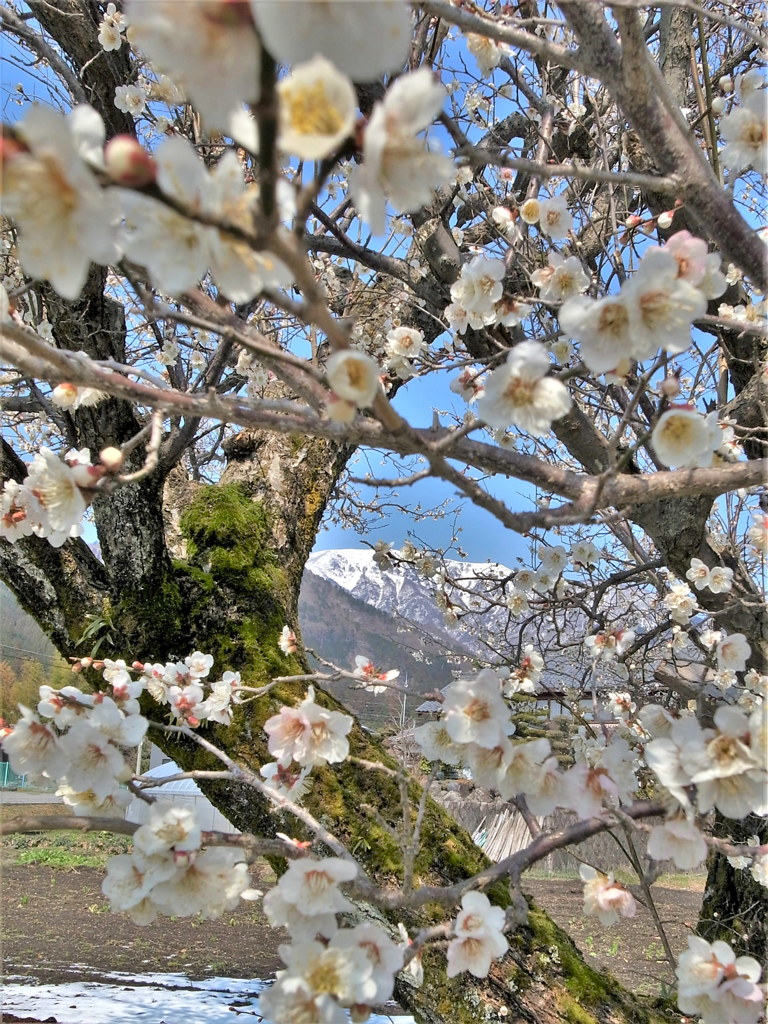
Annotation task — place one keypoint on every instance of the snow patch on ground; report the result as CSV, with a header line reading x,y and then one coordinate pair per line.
x,y
145,999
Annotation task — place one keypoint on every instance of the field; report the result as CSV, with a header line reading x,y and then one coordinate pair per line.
x,y
57,926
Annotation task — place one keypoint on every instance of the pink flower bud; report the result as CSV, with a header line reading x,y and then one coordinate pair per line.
x,y
128,163
664,220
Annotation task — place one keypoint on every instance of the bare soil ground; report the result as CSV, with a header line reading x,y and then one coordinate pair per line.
x,y
56,918
57,925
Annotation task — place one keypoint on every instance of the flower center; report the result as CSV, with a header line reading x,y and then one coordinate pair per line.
x,y
310,111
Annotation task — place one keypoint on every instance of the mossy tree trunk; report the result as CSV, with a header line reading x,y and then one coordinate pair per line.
x,y
245,545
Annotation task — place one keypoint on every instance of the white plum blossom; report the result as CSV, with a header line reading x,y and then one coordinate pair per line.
x,y
681,438
131,99
398,165
209,883
437,744
698,574
506,222
385,956
20,512
287,641
662,305
527,674
364,40
65,219
193,50
733,652
602,327
757,534
553,558
469,384
604,898
517,602
344,971
177,250
555,221
523,768
354,376
199,664
403,346
287,783
308,734
608,645
745,130
680,603
33,747
170,826
311,887
70,396
474,711
93,761
720,579
487,52
530,211
317,109
584,553
56,486
476,293
519,393
717,986
110,27
64,706
479,931
89,805
679,840
366,670
561,279
186,703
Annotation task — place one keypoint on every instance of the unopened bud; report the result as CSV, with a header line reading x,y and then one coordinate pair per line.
x,y
111,458
359,1013
138,666
726,83
718,105
64,395
128,163
664,220
633,221
670,387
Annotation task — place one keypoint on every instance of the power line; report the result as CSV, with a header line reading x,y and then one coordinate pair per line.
x,y
34,654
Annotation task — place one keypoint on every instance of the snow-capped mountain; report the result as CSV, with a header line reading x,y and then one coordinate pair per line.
x,y
409,596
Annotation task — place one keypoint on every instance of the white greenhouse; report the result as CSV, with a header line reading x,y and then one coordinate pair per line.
x,y
184,792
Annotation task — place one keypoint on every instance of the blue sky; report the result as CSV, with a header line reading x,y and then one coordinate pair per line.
x,y
482,536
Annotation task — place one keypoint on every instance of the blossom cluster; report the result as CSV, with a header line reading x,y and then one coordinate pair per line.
x,y
66,219
51,499
329,966
722,767
717,986
180,685
474,730
81,740
478,299
653,309
167,871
